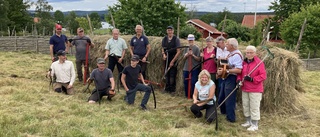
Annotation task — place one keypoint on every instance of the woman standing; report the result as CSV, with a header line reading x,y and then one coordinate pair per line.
x,y
252,88
209,54
204,92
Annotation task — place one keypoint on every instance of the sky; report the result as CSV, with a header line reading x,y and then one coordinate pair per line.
x,y
198,5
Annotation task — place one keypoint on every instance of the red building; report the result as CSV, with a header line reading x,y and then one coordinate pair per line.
x,y
205,29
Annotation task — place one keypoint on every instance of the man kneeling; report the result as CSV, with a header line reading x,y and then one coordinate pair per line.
x,y
102,77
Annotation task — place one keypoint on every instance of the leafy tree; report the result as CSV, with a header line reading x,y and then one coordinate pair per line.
x,y
72,23
59,16
46,24
290,29
155,15
4,7
235,30
208,18
83,23
283,8
189,29
256,34
18,14
95,20
221,14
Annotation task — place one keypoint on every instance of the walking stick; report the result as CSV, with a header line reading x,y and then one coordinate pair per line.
x,y
86,64
240,83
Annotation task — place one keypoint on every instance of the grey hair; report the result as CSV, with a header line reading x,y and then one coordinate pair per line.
x,y
220,38
115,29
139,26
233,42
250,47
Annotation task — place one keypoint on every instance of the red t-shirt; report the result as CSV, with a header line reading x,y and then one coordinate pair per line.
x,y
209,65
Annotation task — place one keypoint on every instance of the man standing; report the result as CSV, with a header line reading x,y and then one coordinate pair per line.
x,y
192,56
81,42
170,42
104,82
222,53
140,46
229,83
58,42
65,74
130,83
115,50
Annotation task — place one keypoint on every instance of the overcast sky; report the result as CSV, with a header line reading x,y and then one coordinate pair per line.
x,y
199,5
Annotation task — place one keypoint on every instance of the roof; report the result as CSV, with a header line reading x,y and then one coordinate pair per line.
x,y
248,20
204,26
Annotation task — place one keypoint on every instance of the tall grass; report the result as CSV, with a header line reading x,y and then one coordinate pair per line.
x,y
29,108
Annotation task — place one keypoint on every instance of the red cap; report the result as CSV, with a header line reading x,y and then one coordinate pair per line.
x,y
58,26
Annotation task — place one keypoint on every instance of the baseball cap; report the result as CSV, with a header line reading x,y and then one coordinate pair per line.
x,y
58,26
169,27
101,61
135,58
190,37
61,53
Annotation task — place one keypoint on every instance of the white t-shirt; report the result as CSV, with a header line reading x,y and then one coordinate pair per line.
x,y
203,91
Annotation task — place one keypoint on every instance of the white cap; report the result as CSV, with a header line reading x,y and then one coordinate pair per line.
x,y
190,37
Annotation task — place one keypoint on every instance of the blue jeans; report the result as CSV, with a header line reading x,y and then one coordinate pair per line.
x,y
194,79
229,106
131,94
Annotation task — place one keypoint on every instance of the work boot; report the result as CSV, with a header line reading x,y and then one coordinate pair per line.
x,y
80,79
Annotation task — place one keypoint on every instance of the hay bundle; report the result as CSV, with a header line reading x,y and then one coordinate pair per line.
x,y
283,82
155,69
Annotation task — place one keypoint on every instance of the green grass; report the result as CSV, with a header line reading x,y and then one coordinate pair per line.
x,y
29,108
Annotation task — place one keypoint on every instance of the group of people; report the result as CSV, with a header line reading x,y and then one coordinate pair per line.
x,y
207,85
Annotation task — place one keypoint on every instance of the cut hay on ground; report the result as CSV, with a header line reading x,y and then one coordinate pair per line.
x,y
283,71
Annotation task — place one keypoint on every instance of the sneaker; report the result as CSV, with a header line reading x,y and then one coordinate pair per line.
x,y
247,124
252,128
143,107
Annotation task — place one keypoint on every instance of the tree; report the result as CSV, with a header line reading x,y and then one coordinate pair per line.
x,y
46,24
72,23
58,16
283,8
189,29
155,15
290,29
235,30
95,20
4,4
208,18
83,23
18,15
220,16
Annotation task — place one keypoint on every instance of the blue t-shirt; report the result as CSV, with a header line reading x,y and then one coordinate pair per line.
x,y
203,91
58,42
139,45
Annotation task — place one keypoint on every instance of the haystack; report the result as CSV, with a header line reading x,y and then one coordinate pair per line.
x,y
155,69
283,71
283,82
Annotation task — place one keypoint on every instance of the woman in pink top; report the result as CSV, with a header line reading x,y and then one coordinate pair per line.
x,y
210,52
252,88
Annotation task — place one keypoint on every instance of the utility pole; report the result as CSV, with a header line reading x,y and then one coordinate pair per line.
x,y
255,14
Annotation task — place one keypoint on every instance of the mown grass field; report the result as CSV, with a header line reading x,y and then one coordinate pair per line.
x,y
29,108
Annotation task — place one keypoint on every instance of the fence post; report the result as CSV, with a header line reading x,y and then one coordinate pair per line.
x,y
16,43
